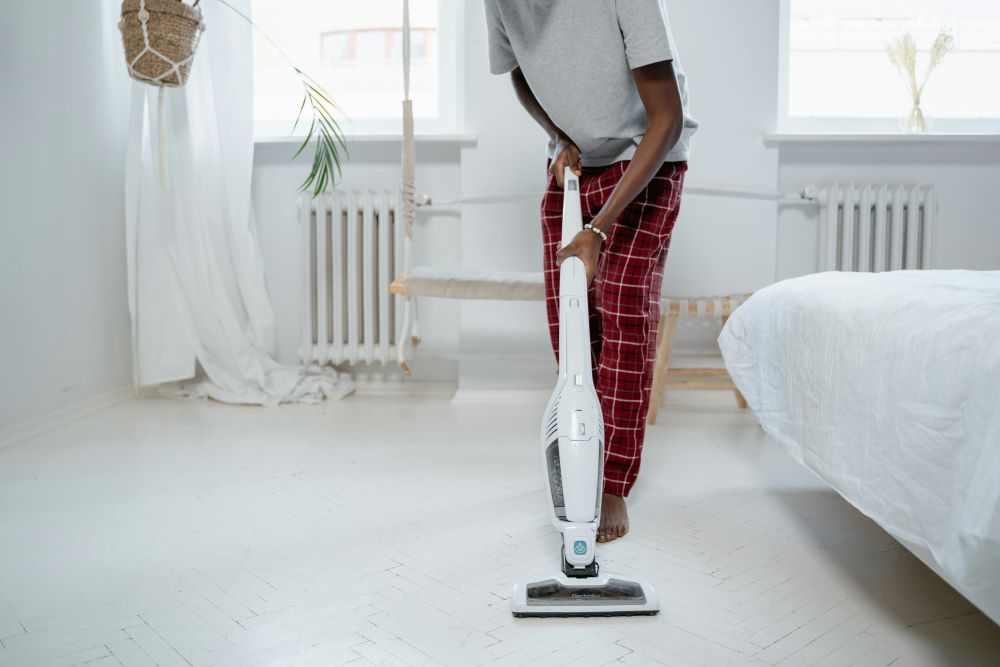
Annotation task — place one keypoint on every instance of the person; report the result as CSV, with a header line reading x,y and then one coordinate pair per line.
x,y
603,79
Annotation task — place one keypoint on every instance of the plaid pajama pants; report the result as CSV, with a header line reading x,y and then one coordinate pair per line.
x,y
624,302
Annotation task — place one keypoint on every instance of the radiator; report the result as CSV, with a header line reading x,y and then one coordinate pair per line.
x,y
877,228
350,241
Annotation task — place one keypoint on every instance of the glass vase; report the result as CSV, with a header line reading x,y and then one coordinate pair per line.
x,y
915,122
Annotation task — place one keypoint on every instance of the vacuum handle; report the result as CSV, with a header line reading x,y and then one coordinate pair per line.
x,y
572,273
572,209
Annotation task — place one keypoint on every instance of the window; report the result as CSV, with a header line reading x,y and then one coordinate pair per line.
x,y
836,73
355,51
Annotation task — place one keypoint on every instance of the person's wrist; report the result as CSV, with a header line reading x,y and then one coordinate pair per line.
x,y
602,223
596,235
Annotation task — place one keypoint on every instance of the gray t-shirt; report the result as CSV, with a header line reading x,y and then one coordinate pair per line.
x,y
578,57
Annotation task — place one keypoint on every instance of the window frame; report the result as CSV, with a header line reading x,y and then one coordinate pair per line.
x,y
450,119
788,124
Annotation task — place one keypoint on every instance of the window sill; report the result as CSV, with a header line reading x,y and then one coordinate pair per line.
x,y
779,139
457,140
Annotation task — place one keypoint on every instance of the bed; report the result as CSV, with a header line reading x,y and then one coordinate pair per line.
x,y
887,386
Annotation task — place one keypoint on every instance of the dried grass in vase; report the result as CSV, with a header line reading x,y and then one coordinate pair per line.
x,y
903,54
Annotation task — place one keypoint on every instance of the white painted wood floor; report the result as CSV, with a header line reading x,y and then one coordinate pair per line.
x,y
390,530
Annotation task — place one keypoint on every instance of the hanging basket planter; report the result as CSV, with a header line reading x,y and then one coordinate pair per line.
x,y
160,39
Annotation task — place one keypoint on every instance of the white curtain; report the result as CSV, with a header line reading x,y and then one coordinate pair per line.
x,y
195,276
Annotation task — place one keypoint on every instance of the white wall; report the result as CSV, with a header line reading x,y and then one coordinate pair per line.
x,y
720,246
726,246
63,122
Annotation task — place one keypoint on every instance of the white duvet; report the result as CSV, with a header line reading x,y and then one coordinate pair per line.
x,y
887,386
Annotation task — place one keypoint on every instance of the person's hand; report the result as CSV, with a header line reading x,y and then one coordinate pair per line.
x,y
567,155
587,246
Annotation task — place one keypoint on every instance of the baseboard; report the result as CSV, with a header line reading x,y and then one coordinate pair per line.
x,y
414,388
53,420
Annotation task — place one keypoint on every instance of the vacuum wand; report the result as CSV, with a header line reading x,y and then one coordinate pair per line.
x,y
578,409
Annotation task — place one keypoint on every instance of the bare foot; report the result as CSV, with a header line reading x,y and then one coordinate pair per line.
x,y
614,518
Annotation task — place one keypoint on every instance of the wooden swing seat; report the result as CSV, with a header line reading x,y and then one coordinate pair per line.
x,y
443,283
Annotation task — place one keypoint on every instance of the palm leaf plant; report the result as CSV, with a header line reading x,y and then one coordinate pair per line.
x,y
323,126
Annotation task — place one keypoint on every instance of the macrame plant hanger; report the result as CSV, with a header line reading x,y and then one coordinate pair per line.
x,y
175,74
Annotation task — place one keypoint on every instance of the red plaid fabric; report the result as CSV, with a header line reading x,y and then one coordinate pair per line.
x,y
624,303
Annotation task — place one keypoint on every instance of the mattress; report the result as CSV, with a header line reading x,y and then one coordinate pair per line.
x,y
887,386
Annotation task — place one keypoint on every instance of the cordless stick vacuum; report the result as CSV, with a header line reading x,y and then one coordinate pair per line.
x,y
572,437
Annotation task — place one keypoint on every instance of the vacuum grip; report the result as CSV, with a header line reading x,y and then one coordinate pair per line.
x,y
572,211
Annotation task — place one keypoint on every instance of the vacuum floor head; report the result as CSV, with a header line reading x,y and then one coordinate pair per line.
x,y
606,595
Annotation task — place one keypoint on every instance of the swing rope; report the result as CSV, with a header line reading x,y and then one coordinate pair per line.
x,y
408,332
